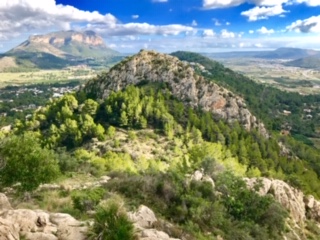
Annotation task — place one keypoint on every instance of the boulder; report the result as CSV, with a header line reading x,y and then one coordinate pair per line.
x,y
312,208
68,227
4,203
198,175
144,217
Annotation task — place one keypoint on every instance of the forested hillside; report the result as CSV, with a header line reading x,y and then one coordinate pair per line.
x,y
266,102
151,143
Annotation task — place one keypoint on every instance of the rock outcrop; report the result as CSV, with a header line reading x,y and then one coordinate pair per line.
x,y
41,225
37,224
299,206
181,79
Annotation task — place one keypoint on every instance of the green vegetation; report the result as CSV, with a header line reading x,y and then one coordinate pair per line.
x,y
66,122
77,135
112,223
234,213
24,161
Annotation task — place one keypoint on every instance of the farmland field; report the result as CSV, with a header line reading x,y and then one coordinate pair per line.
x,y
272,72
46,76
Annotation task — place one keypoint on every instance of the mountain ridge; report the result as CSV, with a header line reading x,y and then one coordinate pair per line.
x,y
65,47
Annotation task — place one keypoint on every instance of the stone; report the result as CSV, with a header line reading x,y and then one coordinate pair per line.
x,y
4,203
144,217
197,176
152,234
38,236
68,227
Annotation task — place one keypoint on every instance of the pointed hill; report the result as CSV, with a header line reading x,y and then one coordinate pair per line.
x,y
183,80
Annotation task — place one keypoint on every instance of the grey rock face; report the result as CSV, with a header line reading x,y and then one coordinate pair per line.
x,y
290,198
183,81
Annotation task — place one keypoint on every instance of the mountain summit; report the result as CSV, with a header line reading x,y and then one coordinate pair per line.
x,y
183,81
60,49
65,43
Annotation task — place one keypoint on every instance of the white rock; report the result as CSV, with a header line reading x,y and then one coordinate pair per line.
x,y
144,217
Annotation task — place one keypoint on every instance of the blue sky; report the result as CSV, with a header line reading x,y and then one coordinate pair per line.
x,y
169,25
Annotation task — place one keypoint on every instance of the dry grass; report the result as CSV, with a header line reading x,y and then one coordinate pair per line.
x,y
43,76
7,62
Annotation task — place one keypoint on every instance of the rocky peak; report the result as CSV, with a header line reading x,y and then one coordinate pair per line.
x,y
184,82
66,37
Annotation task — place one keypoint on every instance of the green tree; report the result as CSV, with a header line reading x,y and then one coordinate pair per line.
x,y
26,162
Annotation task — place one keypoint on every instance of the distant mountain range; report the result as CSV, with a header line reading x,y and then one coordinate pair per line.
x,y
304,58
280,53
58,50
306,62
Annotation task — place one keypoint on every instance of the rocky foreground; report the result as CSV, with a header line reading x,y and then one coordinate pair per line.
x,y
16,224
39,224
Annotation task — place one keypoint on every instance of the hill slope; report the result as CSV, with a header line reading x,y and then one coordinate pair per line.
x,y
307,62
181,78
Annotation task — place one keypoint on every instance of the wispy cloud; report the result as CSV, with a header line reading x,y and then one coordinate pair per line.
x,y
258,13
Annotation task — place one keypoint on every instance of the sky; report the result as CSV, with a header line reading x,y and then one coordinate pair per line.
x,y
169,25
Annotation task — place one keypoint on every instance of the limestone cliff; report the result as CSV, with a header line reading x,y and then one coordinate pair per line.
x,y
66,44
183,81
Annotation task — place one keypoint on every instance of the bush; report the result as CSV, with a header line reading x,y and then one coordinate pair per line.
x,y
24,161
111,223
86,200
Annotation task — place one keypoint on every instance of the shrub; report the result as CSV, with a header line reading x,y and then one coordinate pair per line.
x,y
111,223
85,200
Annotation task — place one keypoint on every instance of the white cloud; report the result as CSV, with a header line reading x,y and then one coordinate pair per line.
x,y
135,16
226,34
26,17
258,13
311,3
258,45
251,31
160,1
208,33
309,25
216,22
264,30
213,4
194,23
228,23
